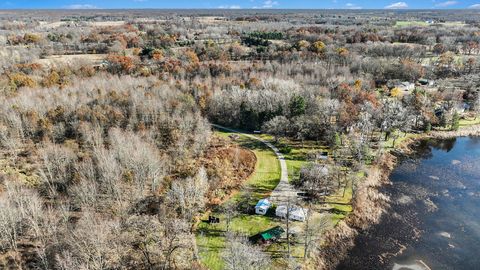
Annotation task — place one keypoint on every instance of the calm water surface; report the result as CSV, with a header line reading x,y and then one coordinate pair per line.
x,y
434,216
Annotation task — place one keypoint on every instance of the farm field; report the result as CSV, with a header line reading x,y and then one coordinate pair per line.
x,y
424,23
56,60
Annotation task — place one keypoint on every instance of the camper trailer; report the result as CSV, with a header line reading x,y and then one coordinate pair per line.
x,y
262,206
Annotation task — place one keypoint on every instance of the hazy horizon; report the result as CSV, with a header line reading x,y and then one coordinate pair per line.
x,y
251,4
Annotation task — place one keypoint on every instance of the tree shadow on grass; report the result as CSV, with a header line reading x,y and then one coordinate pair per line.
x,y
211,232
281,249
253,145
210,236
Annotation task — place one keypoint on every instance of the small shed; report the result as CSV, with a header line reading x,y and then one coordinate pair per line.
x,y
262,206
267,236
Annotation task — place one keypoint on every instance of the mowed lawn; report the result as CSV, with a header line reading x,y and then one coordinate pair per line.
x,y
211,237
469,122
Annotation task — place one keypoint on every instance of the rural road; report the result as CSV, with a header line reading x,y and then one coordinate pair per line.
x,y
284,190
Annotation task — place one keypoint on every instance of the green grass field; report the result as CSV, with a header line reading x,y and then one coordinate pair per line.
x,y
469,122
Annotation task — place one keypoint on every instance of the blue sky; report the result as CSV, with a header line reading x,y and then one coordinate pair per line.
x,y
232,4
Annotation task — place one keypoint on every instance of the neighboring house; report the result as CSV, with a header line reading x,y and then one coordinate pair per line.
x,y
439,112
267,236
426,82
102,65
323,155
405,87
262,206
462,108
295,213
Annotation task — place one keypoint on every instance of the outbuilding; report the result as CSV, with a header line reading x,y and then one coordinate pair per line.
x,y
262,206
267,236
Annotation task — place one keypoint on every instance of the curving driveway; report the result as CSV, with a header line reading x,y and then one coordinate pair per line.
x,y
284,191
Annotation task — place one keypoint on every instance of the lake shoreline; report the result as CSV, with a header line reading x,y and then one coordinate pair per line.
x,y
370,204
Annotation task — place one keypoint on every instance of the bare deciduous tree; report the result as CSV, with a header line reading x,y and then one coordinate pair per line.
x,y
188,195
240,255
57,167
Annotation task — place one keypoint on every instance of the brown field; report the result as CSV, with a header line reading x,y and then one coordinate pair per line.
x,y
71,59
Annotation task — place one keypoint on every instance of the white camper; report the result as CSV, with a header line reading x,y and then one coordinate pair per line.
x,y
262,206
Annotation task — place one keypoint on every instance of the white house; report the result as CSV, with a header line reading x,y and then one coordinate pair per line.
x,y
462,108
262,206
296,213
405,86
426,82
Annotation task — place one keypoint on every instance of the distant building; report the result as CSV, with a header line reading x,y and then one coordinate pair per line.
x,y
262,206
323,155
462,108
459,108
102,65
426,82
403,86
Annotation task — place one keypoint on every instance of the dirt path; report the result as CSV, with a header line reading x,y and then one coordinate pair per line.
x,y
284,190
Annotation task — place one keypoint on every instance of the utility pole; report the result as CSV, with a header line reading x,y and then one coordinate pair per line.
x,y
288,226
308,235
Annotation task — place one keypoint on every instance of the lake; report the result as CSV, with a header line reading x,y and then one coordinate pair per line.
x,y
433,221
